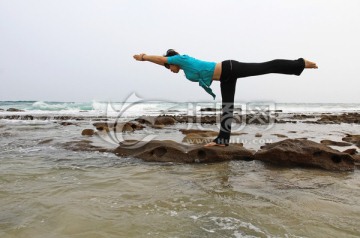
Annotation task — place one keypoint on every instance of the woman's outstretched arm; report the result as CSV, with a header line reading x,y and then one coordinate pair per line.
x,y
160,60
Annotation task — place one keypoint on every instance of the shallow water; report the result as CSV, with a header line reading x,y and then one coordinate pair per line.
x,y
48,191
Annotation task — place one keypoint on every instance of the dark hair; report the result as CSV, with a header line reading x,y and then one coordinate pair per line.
x,y
169,53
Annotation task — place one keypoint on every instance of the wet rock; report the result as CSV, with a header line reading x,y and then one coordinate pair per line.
x,y
14,110
197,131
280,135
164,120
84,145
45,141
335,143
302,116
87,132
208,120
305,153
170,151
354,139
208,109
194,136
1,109
342,118
100,126
126,127
350,151
145,120
356,159
118,127
66,123
258,135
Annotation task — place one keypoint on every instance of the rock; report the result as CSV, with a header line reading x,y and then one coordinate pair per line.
x,y
195,136
164,120
342,118
350,151
356,159
170,151
280,135
197,131
208,109
66,123
305,153
145,120
84,145
335,143
14,110
355,139
258,135
100,126
87,132
1,109
118,127
45,141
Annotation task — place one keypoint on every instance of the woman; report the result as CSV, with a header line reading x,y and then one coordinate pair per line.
x,y
227,72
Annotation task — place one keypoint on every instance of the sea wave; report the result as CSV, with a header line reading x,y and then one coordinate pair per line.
x,y
60,106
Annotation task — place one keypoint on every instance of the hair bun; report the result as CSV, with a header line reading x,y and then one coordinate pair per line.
x,y
171,52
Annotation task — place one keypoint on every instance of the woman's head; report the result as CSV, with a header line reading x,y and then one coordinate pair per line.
x,y
173,68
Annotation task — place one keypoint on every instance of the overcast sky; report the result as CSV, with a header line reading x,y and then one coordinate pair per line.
x,y
81,50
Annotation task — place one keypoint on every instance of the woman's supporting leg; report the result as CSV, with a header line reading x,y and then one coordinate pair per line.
x,y
228,86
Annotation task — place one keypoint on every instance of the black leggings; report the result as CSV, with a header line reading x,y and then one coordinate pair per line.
x,y
232,70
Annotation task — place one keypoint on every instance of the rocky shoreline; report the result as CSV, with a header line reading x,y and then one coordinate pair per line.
x,y
286,152
250,118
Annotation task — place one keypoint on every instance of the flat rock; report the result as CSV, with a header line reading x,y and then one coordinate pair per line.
x,y
280,135
354,139
335,143
305,153
14,110
170,151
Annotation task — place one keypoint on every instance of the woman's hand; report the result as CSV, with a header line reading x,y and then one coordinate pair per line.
x,y
139,57
160,60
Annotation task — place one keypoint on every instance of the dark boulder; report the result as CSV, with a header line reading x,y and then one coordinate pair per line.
x,y
164,120
305,153
14,110
87,132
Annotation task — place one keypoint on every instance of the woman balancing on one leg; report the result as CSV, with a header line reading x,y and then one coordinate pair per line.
x,y
227,72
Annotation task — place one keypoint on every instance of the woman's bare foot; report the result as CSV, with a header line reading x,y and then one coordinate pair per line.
x,y
213,144
310,65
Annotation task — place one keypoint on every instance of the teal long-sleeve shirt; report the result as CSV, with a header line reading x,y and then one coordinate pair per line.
x,y
195,70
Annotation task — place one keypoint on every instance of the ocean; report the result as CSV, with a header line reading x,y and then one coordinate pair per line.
x,y
48,190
